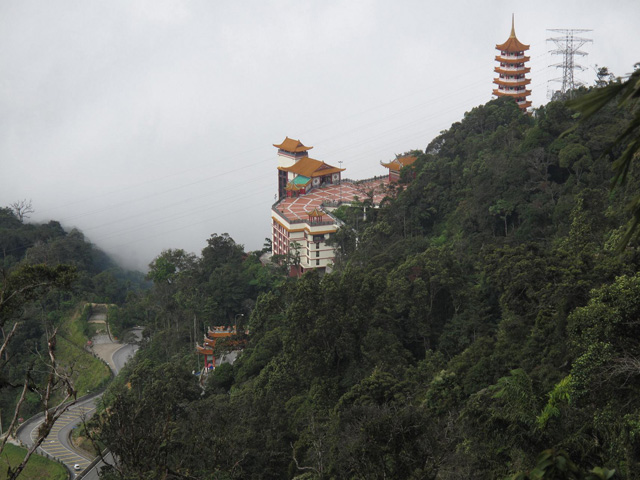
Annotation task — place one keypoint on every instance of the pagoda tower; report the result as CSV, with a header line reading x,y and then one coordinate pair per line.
x,y
511,79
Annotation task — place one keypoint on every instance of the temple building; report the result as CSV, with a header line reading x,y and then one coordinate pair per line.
x,y
308,191
298,173
396,165
289,152
213,335
511,80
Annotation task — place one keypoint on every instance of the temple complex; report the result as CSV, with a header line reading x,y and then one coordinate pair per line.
x,y
308,191
511,80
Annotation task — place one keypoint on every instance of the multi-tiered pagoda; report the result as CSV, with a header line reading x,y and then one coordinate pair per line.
x,y
511,79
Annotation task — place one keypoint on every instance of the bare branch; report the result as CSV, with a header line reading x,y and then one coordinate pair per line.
x,y
51,415
8,338
99,451
21,209
16,413
625,366
293,454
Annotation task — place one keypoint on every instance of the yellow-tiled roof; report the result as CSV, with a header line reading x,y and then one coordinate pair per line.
x,y
291,145
512,44
311,168
315,213
400,162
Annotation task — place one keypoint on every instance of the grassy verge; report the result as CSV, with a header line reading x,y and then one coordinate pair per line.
x,y
77,328
81,441
117,323
90,373
37,468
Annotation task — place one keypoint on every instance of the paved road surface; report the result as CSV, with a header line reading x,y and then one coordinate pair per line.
x,y
57,443
120,357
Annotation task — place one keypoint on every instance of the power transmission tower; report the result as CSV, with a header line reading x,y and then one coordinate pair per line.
x,y
568,46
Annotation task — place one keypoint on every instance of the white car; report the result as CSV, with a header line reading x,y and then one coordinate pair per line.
x,y
77,467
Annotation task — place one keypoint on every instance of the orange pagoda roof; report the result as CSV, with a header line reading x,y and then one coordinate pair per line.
x,y
315,213
512,93
512,44
309,167
220,331
506,71
291,145
204,350
400,162
520,82
512,60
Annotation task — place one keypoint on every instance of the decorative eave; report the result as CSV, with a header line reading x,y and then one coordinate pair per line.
x,y
291,145
399,162
513,71
520,82
291,187
203,350
315,213
511,60
309,167
392,165
214,335
512,93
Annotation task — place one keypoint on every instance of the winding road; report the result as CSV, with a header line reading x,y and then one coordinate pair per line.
x,y
57,444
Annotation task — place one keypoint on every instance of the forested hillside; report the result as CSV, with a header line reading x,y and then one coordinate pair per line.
x,y
46,276
478,318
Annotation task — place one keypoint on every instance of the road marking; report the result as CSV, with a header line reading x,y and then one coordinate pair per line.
x,y
51,444
75,413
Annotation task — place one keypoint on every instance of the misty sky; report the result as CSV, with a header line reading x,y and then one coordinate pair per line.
x,y
149,124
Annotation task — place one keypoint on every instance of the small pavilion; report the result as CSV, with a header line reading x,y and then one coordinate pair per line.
x,y
315,216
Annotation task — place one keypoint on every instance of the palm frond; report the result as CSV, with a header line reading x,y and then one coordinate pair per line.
x,y
593,102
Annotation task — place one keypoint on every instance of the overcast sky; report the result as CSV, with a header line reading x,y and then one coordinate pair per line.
x,y
149,124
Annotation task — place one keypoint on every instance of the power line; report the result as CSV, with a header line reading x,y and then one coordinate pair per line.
x,y
568,45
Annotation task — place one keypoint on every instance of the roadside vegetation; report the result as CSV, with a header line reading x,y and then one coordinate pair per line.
x,y
91,373
37,468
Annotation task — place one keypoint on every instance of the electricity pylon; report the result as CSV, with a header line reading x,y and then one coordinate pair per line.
x,y
568,46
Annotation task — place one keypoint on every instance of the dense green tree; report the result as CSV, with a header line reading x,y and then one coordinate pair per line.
x,y
143,421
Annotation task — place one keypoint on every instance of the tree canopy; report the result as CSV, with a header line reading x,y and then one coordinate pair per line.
x,y
479,324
